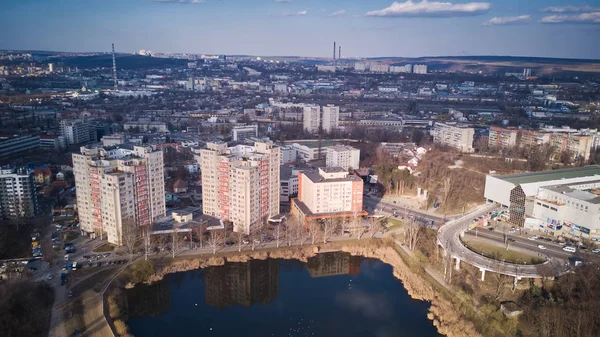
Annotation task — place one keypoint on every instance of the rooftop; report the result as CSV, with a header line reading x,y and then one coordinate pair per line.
x,y
527,178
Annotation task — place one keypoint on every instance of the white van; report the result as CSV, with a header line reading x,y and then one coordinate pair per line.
x,y
569,249
75,265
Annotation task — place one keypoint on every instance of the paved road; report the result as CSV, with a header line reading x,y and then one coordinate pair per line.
x,y
449,238
552,249
375,202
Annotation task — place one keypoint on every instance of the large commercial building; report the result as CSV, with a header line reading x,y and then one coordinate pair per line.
x,y
76,132
118,187
343,156
240,185
18,197
241,133
456,136
14,145
326,118
328,193
517,192
572,209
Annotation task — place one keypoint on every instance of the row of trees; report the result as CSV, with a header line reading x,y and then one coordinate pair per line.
x,y
136,239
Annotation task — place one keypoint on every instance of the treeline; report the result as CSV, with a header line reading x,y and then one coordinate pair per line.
x,y
25,308
570,307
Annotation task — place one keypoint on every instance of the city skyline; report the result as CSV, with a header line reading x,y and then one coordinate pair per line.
x,y
306,28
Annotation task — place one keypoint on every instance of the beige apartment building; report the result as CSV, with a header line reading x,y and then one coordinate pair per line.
x,y
343,156
456,136
118,187
240,184
328,193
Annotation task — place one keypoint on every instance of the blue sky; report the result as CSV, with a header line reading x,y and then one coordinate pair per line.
x,y
365,28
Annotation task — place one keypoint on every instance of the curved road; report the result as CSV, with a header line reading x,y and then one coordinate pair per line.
x,y
449,238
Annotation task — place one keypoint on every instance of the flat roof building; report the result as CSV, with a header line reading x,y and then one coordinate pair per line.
x,y
514,190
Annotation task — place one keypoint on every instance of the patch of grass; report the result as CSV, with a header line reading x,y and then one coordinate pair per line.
x,y
502,254
70,236
393,224
104,248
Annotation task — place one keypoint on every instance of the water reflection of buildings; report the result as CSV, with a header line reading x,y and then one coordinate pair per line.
x,y
330,264
256,281
149,300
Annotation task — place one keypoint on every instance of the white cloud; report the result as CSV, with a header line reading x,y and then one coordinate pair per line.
x,y
426,8
507,20
570,9
300,13
283,1
338,13
579,18
181,1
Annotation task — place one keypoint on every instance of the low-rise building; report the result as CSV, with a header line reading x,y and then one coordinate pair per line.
x,y
113,139
243,133
328,193
11,145
146,126
343,156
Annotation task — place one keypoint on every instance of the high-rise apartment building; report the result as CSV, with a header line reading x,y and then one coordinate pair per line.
x,y
420,69
240,185
327,118
118,187
312,118
75,131
342,156
330,117
18,197
456,136
328,193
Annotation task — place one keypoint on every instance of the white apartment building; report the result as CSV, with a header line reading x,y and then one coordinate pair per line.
x,y
343,156
327,118
330,117
240,186
118,187
288,154
380,68
312,118
75,131
361,66
241,133
456,136
420,69
572,209
18,197
326,193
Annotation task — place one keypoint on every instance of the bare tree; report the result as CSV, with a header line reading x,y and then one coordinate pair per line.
x,y
131,235
314,227
375,225
240,240
146,240
215,239
413,233
447,263
328,228
278,233
175,239
199,231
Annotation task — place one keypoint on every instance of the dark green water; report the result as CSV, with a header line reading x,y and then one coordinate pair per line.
x,y
334,294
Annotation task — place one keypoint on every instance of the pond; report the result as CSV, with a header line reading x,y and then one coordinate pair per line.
x,y
333,294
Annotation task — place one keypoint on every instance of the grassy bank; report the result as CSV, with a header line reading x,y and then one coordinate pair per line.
x,y
501,254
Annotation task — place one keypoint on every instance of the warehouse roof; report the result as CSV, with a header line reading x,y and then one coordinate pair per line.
x,y
525,178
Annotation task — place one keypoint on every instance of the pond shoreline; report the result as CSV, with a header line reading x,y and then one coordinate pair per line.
x,y
444,314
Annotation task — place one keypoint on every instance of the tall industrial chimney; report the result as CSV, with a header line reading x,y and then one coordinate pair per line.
x,y
114,67
340,53
334,63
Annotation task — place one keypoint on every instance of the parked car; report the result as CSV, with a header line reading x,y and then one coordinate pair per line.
x,y
66,257
596,250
